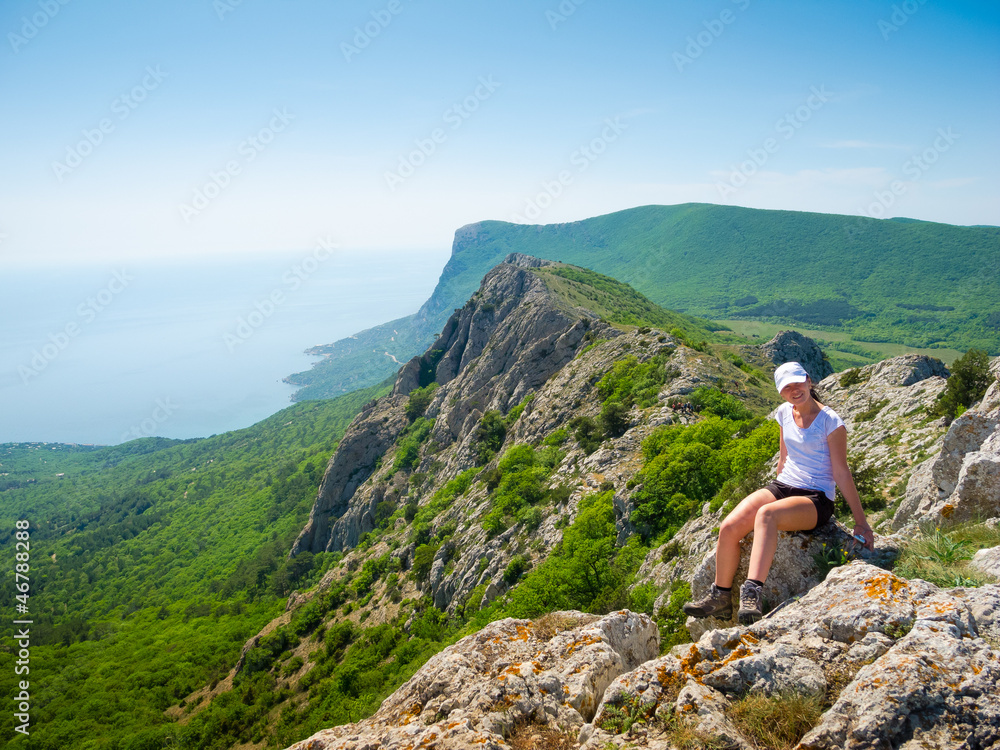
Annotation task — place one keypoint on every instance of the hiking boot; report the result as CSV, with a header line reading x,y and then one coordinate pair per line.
x,y
751,596
715,604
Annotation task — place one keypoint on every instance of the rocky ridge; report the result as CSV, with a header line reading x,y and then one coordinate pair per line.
x,y
515,348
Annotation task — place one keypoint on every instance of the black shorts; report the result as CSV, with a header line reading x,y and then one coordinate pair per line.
x,y
824,505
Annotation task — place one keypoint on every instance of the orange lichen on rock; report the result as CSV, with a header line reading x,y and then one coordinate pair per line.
x,y
410,714
585,641
884,586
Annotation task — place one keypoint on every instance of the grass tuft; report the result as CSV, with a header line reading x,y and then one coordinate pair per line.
x,y
942,557
529,736
776,722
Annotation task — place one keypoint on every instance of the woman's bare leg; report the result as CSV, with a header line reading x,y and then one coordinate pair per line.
x,y
789,514
737,525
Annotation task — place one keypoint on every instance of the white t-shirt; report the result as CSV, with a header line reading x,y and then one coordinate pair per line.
x,y
807,462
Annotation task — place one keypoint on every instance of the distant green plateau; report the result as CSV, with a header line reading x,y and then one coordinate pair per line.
x,y
917,284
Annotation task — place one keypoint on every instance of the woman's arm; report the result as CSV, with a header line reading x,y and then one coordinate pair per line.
x,y
837,441
783,451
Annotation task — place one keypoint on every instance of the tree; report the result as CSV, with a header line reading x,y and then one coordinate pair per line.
x,y
614,418
967,384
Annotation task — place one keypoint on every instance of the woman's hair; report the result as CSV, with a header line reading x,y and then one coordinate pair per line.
x,y
814,391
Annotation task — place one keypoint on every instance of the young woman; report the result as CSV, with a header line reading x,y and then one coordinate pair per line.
x,y
811,464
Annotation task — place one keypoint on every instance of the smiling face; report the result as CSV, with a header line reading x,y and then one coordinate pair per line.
x,y
797,394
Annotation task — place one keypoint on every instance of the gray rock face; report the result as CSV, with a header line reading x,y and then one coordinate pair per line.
x,y
367,439
961,482
794,570
988,561
506,342
919,665
884,412
551,672
792,346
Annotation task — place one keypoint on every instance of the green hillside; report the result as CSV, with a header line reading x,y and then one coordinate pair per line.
x,y
915,283
617,302
152,562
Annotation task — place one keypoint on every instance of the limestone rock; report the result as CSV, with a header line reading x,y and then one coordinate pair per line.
x,y
794,570
884,412
366,440
792,346
905,664
988,561
962,482
933,688
553,671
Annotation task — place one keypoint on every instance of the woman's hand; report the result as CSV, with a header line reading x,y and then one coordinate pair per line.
x,y
861,528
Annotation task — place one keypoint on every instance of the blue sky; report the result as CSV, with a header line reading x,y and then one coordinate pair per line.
x,y
118,115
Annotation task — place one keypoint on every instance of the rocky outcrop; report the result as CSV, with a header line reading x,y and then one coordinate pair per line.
x,y
961,482
899,664
505,343
517,338
889,438
550,672
791,346
366,440
987,561
902,664
800,563
884,406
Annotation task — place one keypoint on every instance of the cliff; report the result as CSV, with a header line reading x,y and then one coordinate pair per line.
x,y
724,262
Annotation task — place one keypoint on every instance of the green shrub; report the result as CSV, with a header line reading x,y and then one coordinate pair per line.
x,y
613,420
585,572
671,618
531,517
587,433
294,665
685,466
515,569
514,414
556,438
420,399
712,401
630,382
489,436
423,559
520,476
853,377
408,452
970,378
338,638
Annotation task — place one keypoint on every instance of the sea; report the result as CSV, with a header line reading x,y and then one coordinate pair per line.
x,y
111,352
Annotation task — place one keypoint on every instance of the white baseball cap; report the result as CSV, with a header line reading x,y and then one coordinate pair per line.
x,y
788,373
